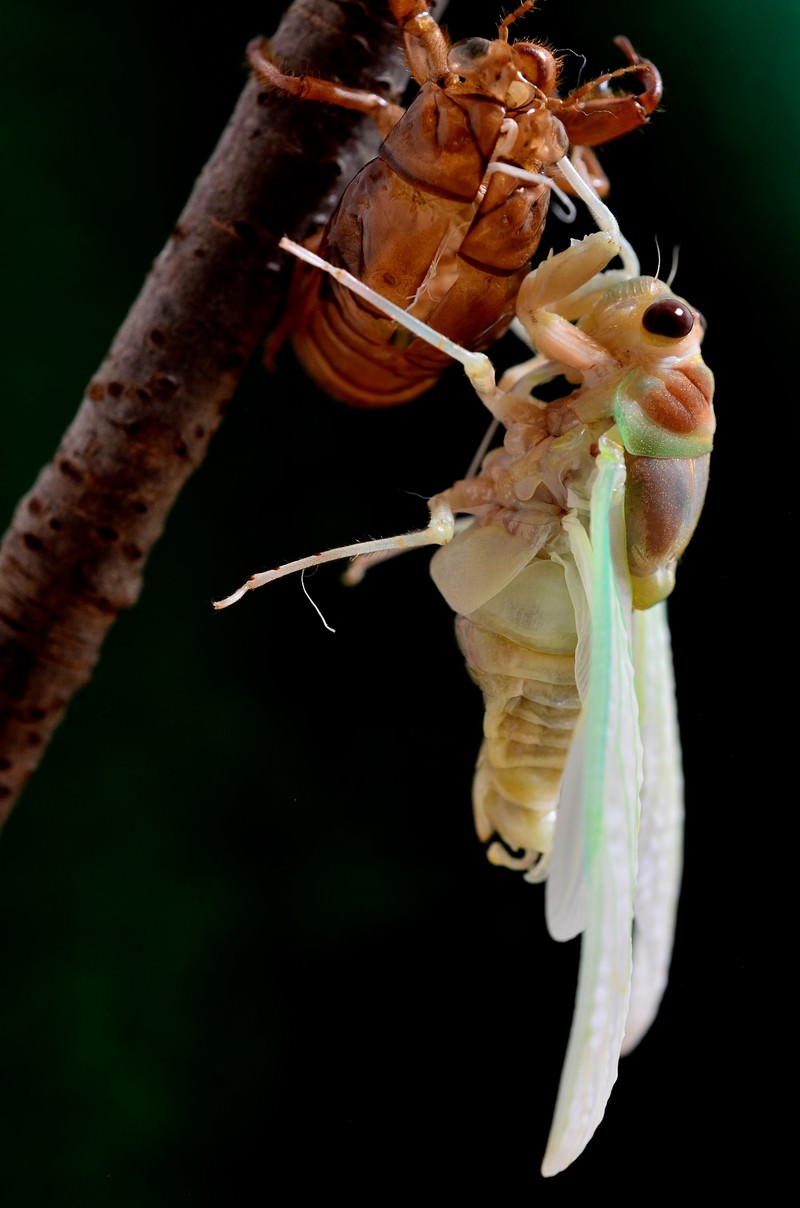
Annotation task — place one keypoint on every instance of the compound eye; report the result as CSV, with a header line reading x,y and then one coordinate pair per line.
x,y
669,318
537,65
464,56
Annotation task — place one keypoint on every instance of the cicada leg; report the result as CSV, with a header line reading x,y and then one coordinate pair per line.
x,y
593,114
385,114
563,287
585,161
425,44
438,532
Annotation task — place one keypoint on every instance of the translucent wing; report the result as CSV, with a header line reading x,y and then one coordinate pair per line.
x,y
661,829
611,784
478,563
565,888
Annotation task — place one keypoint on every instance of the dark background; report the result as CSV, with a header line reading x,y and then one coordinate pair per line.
x,y
251,949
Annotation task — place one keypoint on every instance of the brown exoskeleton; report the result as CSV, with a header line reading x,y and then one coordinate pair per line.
x,y
438,222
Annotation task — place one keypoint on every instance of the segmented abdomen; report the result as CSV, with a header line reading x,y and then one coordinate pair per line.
x,y
532,706
422,226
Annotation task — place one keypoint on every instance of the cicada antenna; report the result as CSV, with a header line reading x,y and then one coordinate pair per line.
x,y
674,268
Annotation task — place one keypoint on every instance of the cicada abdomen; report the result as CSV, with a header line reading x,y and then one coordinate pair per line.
x,y
434,223
532,705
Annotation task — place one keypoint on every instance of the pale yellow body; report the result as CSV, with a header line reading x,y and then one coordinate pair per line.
x,y
532,707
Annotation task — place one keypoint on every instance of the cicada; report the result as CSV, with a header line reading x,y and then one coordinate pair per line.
x,y
441,221
557,557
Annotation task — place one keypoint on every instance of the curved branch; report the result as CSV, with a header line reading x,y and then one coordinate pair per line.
x,y
75,553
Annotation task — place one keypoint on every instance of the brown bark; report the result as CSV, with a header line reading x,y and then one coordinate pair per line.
x,y
78,543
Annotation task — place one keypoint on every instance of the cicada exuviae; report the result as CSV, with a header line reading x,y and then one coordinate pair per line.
x,y
441,221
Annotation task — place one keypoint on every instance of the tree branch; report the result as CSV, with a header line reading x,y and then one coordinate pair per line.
x,y
75,553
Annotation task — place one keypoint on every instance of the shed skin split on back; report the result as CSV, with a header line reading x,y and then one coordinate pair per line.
x,y
558,579
431,223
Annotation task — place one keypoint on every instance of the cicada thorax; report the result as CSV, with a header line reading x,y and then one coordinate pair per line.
x,y
428,227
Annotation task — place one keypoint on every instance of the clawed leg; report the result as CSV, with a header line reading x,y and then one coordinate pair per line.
x,y
384,113
595,114
424,42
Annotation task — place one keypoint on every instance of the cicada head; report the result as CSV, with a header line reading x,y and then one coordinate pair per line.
x,y
515,74
662,390
642,322
483,67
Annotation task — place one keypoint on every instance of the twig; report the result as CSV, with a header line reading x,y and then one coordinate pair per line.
x,y
75,553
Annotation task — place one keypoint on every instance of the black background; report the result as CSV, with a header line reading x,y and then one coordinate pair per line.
x,y
251,949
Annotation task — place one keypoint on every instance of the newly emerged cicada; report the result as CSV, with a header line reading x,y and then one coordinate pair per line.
x,y
558,576
446,219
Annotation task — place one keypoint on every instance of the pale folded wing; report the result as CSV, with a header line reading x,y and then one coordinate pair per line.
x,y
611,784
